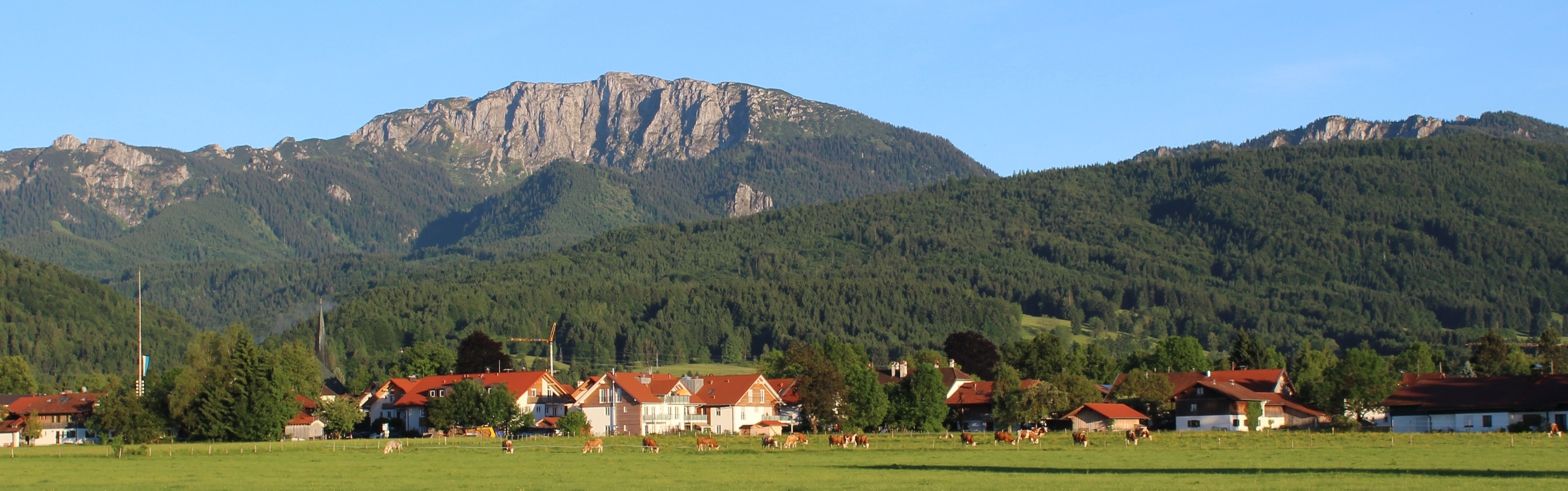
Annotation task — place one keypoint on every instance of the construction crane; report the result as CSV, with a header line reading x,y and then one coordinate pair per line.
x,y
549,340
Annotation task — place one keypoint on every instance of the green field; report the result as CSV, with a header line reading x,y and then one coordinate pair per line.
x,y
1205,460
705,369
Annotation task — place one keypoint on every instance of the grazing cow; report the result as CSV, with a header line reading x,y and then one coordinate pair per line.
x,y
1004,438
594,445
769,442
1132,437
968,439
1032,436
705,443
506,446
861,441
392,446
1554,431
838,441
1144,433
1081,438
649,445
947,436
796,439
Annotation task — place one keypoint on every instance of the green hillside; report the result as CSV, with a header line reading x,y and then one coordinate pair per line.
x,y
1388,242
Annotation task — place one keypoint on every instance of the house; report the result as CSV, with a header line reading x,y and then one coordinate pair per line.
x,y
732,401
971,404
1485,404
1219,399
638,404
400,402
952,377
763,428
1096,416
304,425
63,418
789,399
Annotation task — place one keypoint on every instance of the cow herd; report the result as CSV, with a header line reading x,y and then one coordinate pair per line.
x,y
860,440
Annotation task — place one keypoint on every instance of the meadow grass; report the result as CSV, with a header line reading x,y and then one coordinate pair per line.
x,y
906,461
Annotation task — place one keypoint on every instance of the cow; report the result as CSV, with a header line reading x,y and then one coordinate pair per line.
x,y
1554,431
968,439
1032,436
594,445
768,441
861,441
506,446
1132,437
796,439
838,441
649,445
1144,433
392,446
1004,437
705,443
1081,438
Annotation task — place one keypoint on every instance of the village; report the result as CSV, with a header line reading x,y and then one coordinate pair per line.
x,y
645,403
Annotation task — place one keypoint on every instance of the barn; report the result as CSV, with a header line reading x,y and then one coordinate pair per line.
x,y
1106,417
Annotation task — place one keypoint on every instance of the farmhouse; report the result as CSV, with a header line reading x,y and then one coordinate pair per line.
x,y
304,425
638,404
971,404
733,401
789,399
952,377
1106,417
63,418
1219,400
1482,404
401,401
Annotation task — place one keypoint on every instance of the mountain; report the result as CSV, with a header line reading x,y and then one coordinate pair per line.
x,y
1340,128
682,150
1386,241
72,330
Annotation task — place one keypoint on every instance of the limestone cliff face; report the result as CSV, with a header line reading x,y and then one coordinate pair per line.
x,y
748,201
620,120
121,179
1340,128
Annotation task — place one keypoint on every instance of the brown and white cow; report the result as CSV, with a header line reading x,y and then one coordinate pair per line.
x,y
1005,438
768,441
392,446
507,447
1081,438
649,445
795,439
705,443
968,439
594,445
860,440
1554,431
1031,436
839,441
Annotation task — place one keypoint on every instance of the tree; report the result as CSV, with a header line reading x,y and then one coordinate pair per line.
x,y
465,405
973,352
865,402
16,376
820,386
1315,379
499,410
1366,379
1246,352
1550,352
1038,358
32,428
1490,355
1179,354
1149,392
928,357
574,423
1065,392
261,403
1254,415
299,373
1006,397
926,399
1417,358
340,415
425,358
122,415
478,353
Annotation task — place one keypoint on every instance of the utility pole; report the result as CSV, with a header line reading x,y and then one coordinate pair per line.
x,y
141,360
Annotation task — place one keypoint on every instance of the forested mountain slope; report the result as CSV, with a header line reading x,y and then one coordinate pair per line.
x,y
1388,241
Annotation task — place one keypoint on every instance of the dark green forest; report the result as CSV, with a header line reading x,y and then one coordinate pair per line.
x,y
1388,242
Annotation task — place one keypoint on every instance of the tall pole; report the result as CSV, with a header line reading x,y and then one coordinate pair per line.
x,y
141,361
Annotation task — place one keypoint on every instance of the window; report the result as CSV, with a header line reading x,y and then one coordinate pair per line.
x,y
1193,408
1235,423
1486,421
1192,423
1200,391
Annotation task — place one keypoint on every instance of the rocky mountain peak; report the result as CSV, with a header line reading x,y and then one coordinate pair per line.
x,y
66,142
1340,128
748,201
619,119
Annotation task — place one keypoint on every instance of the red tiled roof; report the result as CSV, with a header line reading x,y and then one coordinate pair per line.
x,y
301,419
68,403
727,390
1110,410
632,386
979,393
1242,393
786,389
414,390
548,422
1514,393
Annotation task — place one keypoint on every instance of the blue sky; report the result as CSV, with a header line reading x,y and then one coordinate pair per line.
x,y
1018,85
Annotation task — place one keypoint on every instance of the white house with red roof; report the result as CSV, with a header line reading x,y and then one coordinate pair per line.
x,y
403,400
734,401
1219,399
638,404
63,418
972,403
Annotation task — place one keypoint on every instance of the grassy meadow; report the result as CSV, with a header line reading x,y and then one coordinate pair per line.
x,y
1206,460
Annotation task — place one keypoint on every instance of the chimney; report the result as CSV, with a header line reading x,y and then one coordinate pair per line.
x,y
1208,374
951,363
645,378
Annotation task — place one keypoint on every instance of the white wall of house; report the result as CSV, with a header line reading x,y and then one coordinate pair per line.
x,y
729,419
10,439
64,436
1483,422
1226,422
